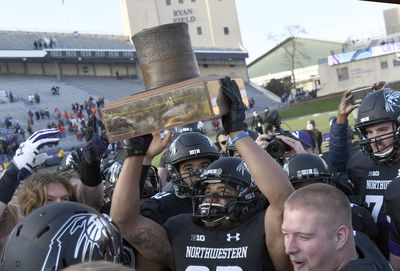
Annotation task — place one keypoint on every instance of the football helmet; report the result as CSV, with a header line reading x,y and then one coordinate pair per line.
x,y
58,235
111,178
71,161
232,172
306,166
188,146
378,107
152,185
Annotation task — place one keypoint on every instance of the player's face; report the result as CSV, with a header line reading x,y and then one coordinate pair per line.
x,y
381,137
223,140
56,192
308,243
187,168
216,192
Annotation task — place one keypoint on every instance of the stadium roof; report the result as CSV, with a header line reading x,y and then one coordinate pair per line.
x,y
276,59
22,44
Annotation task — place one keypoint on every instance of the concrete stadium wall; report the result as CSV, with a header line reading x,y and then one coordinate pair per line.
x,y
224,70
121,68
3,68
34,68
132,70
16,68
68,69
102,70
50,68
85,69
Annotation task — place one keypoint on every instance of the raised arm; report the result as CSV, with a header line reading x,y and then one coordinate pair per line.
x,y
26,158
339,147
266,172
148,237
90,190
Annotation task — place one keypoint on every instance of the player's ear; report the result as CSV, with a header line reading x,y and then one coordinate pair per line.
x,y
341,236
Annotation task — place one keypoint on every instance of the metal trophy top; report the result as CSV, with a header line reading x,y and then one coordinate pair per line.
x,y
165,55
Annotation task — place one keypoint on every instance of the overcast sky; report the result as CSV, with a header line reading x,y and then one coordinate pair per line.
x,y
322,19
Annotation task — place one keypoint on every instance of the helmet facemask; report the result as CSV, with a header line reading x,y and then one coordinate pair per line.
x,y
152,183
183,183
228,203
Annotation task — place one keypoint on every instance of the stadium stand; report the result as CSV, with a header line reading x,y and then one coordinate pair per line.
x,y
18,40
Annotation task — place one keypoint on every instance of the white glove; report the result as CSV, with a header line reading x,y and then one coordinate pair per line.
x,y
27,156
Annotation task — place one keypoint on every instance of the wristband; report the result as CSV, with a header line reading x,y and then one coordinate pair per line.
x,y
239,136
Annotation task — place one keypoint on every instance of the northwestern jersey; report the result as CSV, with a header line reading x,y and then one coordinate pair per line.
x,y
370,181
164,205
196,247
369,256
392,205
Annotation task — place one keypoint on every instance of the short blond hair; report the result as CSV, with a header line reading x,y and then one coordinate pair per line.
x,y
324,200
97,266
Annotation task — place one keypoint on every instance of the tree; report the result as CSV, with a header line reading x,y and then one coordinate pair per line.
x,y
292,47
276,87
279,86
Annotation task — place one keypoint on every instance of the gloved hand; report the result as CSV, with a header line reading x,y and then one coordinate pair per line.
x,y
95,148
234,120
137,145
27,156
96,145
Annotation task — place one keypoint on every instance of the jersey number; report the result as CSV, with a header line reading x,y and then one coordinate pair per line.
x,y
219,268
375,203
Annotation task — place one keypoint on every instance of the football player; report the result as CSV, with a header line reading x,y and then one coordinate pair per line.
x,y
62,234
373,167
392,203
152,240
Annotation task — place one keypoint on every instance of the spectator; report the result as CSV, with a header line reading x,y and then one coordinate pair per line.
x,y
42,188
317,134
256,123
30,114
319,235
37,114
60,153
222,142
31,98
29,127
37,98
252,104
11,97
215,124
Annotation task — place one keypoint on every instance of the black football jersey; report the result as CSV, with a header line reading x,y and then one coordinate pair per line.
x,y
392,202
196,247
370,181
370,258
164,205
